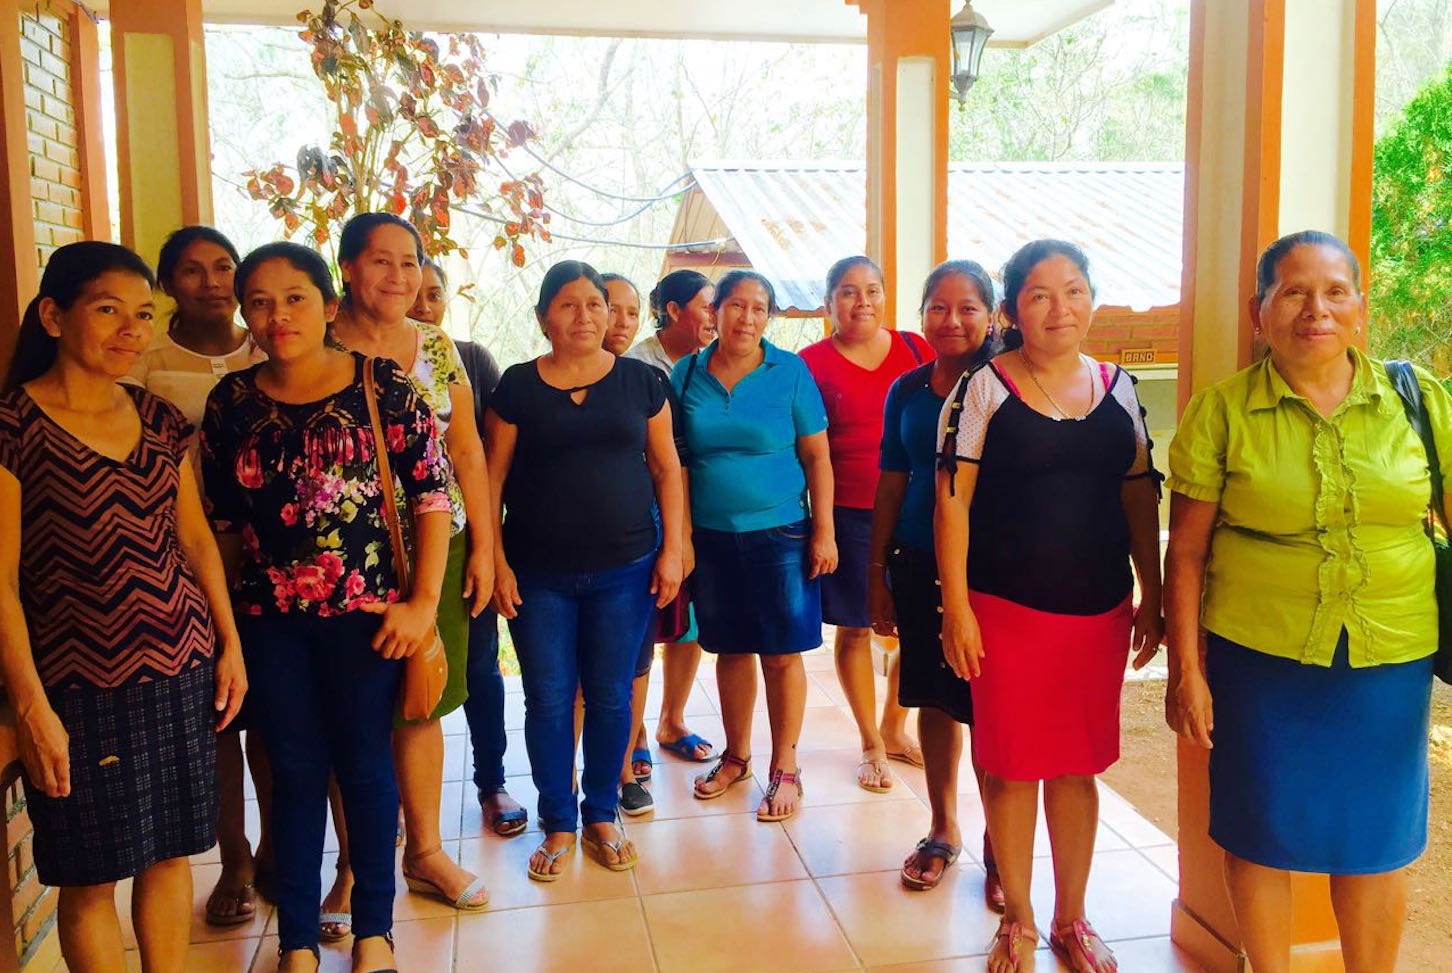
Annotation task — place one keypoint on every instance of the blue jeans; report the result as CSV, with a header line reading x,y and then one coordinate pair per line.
x,y
579,629
324,701
484,709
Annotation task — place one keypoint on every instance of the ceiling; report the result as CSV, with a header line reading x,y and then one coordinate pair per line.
x,y
1016,23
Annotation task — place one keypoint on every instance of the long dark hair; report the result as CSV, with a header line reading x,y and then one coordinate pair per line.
x,y
67,273
678,287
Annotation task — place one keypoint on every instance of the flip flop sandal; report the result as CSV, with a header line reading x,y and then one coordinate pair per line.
x,y
778,778
341,923
913,756
726,758
685,748
464,901
505,824
243,896
550,858
880,769
595,850
1074,943
926,850
1013,934
641,755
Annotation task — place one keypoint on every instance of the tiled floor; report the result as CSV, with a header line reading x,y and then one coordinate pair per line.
x,y
716,891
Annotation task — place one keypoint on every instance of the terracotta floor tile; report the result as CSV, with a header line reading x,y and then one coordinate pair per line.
x,y
336,957
671,786
886,923
866,837
226,956
820,660
504,867
780,928
826,681
830,777
604,937
1128,897
711,852
1120,815
424,944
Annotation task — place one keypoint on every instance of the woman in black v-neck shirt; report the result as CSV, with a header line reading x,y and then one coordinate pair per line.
x,y
581,455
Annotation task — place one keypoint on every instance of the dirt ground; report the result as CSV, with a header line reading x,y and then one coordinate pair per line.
x,y
1145,776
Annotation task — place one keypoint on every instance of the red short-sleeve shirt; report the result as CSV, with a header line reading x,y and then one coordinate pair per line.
x,y
855,397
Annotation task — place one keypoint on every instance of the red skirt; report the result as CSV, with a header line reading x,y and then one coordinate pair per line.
x,y
1046,703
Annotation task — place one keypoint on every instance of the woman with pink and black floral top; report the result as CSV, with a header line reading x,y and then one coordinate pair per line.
x,y
296,496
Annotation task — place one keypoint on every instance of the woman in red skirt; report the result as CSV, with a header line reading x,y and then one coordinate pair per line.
x,y
1045,464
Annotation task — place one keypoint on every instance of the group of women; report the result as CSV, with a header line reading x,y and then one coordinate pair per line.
x,y
707,490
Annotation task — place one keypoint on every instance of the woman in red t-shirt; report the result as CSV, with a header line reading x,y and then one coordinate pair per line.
x,y
854,367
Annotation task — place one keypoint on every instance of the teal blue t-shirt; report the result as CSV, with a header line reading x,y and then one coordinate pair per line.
x,y
745,474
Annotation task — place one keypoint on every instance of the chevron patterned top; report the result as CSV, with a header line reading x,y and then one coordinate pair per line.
x,y
109,597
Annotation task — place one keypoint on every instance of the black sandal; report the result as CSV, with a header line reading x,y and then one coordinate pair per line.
x,y
726,758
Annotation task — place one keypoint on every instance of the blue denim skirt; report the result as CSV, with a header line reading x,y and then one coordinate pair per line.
x,y
1318,769
752,594
844,591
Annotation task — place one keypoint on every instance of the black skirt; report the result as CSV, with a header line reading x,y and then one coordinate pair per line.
x,y
143,780
924,678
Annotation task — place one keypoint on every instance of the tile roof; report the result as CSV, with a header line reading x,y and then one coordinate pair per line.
x,y
792,220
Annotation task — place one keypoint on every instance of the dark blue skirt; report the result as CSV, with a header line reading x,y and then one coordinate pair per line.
x,y
844,591
751,591
1318,769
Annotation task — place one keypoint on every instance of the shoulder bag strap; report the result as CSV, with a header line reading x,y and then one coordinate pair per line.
x,y
1404,380
385,480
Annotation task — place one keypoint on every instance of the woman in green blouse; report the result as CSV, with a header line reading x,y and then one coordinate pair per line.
x,y
1301,613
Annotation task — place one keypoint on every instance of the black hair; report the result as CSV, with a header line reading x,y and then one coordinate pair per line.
x,y
562,273
621,279
358,230
1029,256
678,287
310,262
429,263
971,269
1270,260
67,272
839,270
727,285
176,245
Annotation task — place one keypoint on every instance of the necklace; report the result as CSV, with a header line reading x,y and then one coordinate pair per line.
x,y
1029,365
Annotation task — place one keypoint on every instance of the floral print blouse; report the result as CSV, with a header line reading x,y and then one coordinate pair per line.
x,y
300,483
436,367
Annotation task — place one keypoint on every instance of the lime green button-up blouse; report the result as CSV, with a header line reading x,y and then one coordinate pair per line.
x,y
1320,524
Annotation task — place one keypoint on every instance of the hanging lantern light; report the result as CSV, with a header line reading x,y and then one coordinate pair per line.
x,y
970,36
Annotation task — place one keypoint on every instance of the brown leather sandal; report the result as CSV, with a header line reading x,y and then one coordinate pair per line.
x,y
743,773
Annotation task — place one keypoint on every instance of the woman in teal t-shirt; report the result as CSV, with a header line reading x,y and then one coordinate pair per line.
x,y
761,505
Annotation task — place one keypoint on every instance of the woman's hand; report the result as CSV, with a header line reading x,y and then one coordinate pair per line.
x,y
823,553
1148,633
1189,710
962,644
880,609
45,750
478,581
231,681
665,580
506,590
408,626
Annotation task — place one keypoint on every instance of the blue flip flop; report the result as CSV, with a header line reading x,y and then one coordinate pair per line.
x,y
685,748
641,755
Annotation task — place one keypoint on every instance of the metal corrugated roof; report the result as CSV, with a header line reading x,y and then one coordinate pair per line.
x,y
792,220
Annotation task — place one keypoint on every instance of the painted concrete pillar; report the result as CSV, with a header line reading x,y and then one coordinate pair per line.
x,y
909,52
1279,138
161,119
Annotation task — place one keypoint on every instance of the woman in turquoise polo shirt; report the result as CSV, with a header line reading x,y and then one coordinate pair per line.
x,y
1297,549
756,431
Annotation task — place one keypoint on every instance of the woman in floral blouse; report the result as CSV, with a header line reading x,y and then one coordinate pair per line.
x,y
293,480
381,258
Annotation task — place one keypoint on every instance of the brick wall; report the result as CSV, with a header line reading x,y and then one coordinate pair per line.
x,y
55,187
1117,327
50,114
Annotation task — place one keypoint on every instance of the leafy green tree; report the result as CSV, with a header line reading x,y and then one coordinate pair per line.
x,y
1411,233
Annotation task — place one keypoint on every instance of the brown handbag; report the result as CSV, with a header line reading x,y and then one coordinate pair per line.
x,y
426,672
